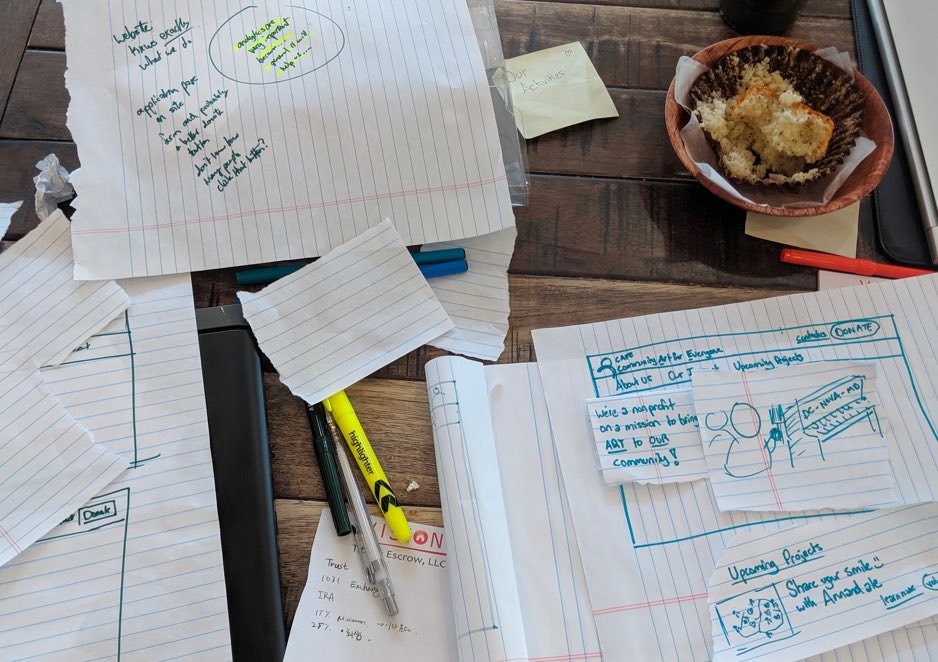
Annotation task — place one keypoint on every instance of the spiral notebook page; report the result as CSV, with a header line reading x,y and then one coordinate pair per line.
x,y
136,572
49,463
222,133
517,581
648,550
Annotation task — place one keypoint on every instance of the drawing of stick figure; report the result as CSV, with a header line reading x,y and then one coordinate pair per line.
x,y
606,365
740,431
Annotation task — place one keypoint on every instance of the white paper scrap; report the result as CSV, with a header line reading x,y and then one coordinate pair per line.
x,y
136,572
222,133
7,209
648,550
341,619
648,438
831,280
795,438
339,319
45,313
806,590
494,452
477,301
49,463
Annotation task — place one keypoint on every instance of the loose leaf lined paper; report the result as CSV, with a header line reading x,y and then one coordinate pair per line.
x,y
651,438
340,618
809,589
798,438
648,550
477,301
136,572
222,133
339,319
49,463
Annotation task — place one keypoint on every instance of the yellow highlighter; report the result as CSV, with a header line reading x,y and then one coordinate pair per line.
x,y
341,409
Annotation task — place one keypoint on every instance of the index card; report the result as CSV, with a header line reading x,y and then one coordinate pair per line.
x,y
221,133
795,438
806,590
653,438
339,319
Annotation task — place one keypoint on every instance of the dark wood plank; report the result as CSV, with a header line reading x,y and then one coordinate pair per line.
x,y
825,8
396,417
18,160
16,21
49,28
635,145
296,528
636,47
39,101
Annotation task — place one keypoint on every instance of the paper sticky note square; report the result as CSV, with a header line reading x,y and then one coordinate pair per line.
x,y
556,88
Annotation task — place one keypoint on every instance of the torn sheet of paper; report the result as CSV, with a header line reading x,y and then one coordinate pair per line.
x,y
7,209
137,386
795,438
49,463
805,590
339,617
555,88
201,148
647,437
477,301
46,314
339,319
830,233
833,280
52,186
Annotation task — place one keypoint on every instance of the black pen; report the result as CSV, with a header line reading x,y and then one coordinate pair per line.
x,y
325,456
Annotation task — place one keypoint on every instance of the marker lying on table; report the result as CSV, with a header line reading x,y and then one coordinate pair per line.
x,y
341,410
445,262
849,265
368,546
326,459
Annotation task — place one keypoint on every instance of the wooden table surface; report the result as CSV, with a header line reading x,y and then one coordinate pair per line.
x,y
615,227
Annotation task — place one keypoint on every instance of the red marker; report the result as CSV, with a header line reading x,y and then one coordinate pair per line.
x,y
850,265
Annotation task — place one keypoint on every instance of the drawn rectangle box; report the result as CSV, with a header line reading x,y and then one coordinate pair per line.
x,y
753,619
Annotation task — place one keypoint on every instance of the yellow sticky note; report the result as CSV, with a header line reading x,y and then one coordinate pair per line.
x,y
831,233
555,88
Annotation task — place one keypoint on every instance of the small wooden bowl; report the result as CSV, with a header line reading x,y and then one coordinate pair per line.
x,y
876,125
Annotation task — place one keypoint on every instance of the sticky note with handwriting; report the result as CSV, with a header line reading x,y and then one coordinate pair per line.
x,y
220,133
555,88
647,437
805,590
795,438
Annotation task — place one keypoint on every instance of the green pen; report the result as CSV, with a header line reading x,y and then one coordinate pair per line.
x,y
325,457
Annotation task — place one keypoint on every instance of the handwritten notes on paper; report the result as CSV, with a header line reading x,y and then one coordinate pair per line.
x,y
805,590
797,438
555,88
651,438
219,133
341,619
339,319
649,579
